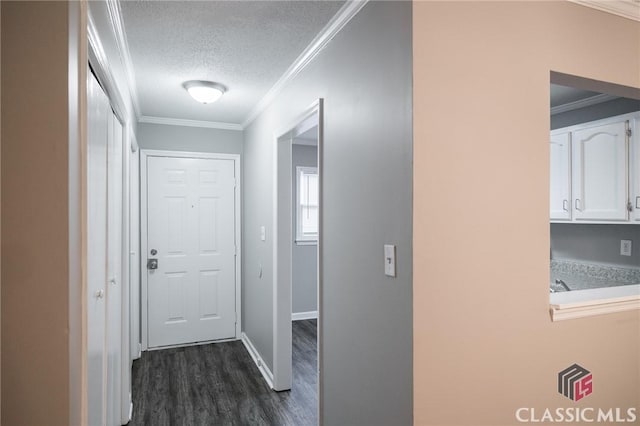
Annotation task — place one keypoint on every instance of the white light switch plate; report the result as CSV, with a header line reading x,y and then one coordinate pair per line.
x,y
390,260
625,247
263,233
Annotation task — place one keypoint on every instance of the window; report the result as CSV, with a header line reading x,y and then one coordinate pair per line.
x,y
307,205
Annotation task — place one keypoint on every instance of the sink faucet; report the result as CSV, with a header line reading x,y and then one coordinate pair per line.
x,y
563,284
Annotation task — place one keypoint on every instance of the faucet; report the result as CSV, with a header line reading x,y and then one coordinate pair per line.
x,y
563,284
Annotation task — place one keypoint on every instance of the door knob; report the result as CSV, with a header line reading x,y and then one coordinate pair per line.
x,y
99,294
152,264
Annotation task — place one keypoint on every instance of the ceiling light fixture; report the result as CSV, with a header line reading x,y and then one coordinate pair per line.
x,y
205,92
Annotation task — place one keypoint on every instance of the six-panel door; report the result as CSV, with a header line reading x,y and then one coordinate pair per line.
x,y
191,228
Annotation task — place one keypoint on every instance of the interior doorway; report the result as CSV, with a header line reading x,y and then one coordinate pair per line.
x,y
297,251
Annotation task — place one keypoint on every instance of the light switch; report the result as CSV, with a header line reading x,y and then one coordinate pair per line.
x,y
263,234
390,260
625,247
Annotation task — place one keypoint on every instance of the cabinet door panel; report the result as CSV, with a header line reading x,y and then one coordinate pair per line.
x,y
560,180
634,156
600,172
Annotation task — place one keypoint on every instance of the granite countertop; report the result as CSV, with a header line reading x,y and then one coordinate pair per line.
x,y
582,276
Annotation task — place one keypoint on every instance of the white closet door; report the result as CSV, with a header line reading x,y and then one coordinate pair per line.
x,y
600,172
135,255
97,128
114,272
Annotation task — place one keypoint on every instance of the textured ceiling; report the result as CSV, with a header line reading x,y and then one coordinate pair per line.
x,y
245,45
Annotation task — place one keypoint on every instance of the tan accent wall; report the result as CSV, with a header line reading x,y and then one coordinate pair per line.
x,y
35,352
484,343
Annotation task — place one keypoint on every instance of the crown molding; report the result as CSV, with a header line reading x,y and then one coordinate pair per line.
x,y
626,8
582,103
189,123
117,24
333,27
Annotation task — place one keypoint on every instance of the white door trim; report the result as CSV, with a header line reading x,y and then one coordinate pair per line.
x,y
282,252
144,155
78,159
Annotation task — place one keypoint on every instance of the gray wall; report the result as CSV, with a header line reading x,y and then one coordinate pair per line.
x,y
194,139
365,77
594,112
595,243
305,257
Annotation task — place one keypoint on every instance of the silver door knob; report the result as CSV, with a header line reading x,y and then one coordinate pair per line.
x,y
99,294
152,264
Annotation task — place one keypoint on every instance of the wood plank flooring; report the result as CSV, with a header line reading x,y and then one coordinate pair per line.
x,y
219,384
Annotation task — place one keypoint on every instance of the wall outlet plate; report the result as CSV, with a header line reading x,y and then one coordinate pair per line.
x,y
625,247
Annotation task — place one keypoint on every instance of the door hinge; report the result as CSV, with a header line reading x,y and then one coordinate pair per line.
x,y
629,132
629,206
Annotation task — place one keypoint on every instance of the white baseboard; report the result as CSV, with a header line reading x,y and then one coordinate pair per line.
x,y
298,316
255,355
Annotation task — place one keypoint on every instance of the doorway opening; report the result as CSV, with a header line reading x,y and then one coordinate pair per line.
x,y
297,251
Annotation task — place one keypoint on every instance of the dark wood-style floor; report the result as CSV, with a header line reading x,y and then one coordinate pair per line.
x,y
219,384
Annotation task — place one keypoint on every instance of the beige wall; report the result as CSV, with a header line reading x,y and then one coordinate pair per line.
x,y
0,216
484,344
35,353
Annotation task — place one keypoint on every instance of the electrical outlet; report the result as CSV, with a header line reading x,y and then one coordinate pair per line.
x,y
625,247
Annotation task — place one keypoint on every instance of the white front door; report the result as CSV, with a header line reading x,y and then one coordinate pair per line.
x,y
191,295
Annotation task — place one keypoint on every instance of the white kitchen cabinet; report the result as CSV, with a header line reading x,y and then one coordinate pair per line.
x,y
595,171
560,179
634,147
600,172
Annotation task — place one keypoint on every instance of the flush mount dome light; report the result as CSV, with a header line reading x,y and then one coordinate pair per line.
x,y
205,92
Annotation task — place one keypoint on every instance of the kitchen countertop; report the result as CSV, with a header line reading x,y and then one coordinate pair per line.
x,y
584,276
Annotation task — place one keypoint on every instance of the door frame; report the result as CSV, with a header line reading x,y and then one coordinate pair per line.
x,y
144,156
282,250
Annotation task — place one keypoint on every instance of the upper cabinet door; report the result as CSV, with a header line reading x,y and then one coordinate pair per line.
x,y
560,182
600,173
634,146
